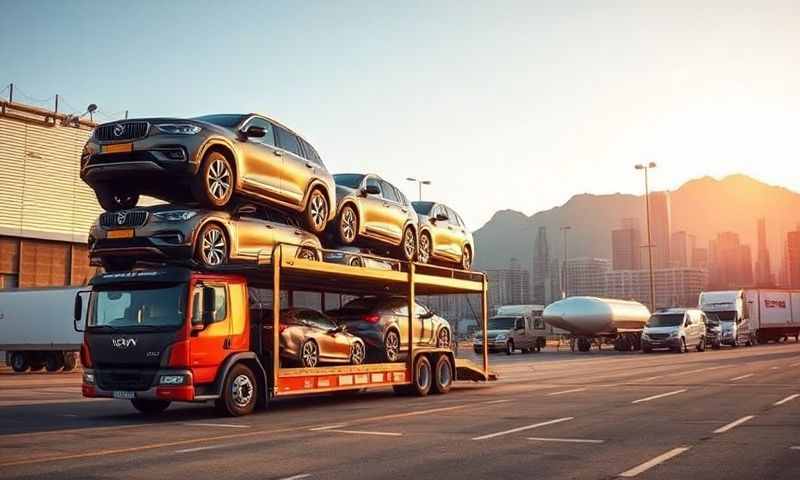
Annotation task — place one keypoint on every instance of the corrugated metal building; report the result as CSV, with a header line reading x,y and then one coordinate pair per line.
x,y
45,208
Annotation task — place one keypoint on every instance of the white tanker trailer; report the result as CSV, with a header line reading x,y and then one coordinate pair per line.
x,y
599,320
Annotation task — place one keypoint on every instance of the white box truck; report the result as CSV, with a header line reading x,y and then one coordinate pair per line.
x,y
731,309
36,329
774,313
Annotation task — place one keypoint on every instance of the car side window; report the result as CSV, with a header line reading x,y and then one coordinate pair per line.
x,y
288,141
388,192
400,196
538,322
453,217
269,135
519,324
310,153
373,182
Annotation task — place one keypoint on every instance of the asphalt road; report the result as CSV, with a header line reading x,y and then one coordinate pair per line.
x,y
732,414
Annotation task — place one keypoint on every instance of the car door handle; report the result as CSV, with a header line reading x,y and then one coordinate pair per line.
x,y
386,205
298,232
277,153
309,165
404,210
269,226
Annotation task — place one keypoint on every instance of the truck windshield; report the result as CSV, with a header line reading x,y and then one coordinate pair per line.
x,y
161,307
726,316
666,320
501,323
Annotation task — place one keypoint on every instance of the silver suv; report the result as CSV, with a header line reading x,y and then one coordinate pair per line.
x,y
676,329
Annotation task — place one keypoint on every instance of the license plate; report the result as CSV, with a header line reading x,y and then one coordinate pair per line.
x,y
122,233
123,395
117,148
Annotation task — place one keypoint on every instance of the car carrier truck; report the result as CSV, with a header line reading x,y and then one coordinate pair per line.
x,y
35,331
192,338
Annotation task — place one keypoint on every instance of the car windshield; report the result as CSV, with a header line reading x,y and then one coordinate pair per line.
x,y
501,323
227,120
726,316
422,208
665,320
139,308
349,180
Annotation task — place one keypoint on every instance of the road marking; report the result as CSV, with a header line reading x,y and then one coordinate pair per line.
x,y
654,397
648,379
198,449
221,425
652,463
734,424
795,364
297,477
741,377
520,429
787,399
497,401
567,391
773,368
363,432
794,448
565,440
327,427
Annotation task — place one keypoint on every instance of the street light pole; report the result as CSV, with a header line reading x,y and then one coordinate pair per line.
x,y
564,231
420,183
646,168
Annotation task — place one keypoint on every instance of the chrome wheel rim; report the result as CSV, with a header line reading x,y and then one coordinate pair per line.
x,y
318,210
348,225
306,254
358,354
310,354
356,262
213,247
424,249
408,244
392,346
445,374
444,339
219,179
423,376
242,390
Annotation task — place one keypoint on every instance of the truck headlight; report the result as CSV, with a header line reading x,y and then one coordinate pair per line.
x,y
174,215
172,380
178,128
88,378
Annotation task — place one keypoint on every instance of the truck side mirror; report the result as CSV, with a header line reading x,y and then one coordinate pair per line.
x,y
77,313
209,305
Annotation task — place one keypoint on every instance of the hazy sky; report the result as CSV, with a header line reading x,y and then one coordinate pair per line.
x,y
501,104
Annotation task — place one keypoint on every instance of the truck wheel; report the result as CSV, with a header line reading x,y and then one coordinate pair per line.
x,y
19,362
70,361
443,375
509,347
584,345
422,376
239,393
37,365
54,361
149,406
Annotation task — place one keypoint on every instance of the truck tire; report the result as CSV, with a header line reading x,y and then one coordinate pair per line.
x,y
443,375
150,406
70,361
584,345
36,365
19,362
54,361
239,392
423,376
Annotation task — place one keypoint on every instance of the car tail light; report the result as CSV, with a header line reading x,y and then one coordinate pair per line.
x,y
371,318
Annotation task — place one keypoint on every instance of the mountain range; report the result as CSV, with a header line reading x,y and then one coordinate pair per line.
x,y
702,207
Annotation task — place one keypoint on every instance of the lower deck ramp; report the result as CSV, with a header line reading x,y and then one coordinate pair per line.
x,y
467,370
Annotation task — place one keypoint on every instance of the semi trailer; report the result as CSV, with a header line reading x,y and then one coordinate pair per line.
x,y
35,329
192,337
600,321
774,314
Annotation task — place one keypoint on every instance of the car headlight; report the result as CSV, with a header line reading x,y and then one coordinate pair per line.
x,y
644,335
673,334
174,215
502,336
172,380
88,378
178,128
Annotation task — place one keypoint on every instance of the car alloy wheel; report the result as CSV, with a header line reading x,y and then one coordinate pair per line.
x,y
409,244
355,262
213,246
357,355
348,225
242,391
443,338
391,345
424,255
307,254
310,354
218,179
317,211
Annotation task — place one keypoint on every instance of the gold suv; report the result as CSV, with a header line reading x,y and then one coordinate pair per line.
x,y
210,160
374,213
443,236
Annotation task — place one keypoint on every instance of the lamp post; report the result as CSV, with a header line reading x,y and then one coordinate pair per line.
x,y
564,230
420,183
649,245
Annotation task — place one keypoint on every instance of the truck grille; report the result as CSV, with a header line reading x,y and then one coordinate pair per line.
x,y
124,380
121,131
130,218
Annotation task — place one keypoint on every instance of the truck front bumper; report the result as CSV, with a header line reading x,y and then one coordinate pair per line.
x,y
667,343
163,387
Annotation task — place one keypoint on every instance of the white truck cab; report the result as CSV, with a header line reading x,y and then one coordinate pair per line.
x,y
730,307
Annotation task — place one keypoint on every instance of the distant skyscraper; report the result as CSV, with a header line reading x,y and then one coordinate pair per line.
x,y
730,263
509,286
764,276
541,267
679,251
700,258
660,228
793,258
586,276
675,287
626,246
